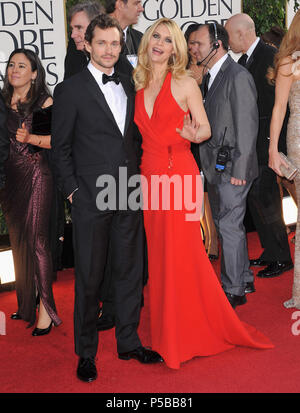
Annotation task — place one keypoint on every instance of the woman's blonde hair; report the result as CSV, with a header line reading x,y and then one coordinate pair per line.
x,y
290,44
177,63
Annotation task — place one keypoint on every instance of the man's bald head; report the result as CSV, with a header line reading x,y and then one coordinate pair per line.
x,y
241,31
242,21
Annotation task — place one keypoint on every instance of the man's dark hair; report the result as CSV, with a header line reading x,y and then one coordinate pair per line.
x,y
221,33
191,29
110,5
91,8
103,22
274,36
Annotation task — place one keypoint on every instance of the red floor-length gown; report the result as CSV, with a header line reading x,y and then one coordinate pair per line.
x,y
190,314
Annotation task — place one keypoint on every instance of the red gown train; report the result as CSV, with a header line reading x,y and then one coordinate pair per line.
x,y
189,312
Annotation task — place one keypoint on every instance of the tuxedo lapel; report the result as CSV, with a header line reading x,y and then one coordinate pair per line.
x,y
130,46
254,54
130,99
95,91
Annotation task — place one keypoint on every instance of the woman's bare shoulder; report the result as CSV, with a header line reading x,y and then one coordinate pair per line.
x,y
186,82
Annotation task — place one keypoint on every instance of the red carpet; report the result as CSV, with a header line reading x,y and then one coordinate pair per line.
x,y
48,364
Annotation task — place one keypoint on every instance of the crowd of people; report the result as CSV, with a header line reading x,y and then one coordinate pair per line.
x,y
159,104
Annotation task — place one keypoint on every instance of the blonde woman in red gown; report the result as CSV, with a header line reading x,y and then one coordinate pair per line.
x,y
190,314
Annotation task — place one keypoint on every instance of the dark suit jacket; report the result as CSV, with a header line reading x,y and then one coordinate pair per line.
x,y
231,104
75,60
133,41
261,59
4,140
86,140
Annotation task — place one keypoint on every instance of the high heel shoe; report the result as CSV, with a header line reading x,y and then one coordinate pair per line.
x,y
42,331
16,316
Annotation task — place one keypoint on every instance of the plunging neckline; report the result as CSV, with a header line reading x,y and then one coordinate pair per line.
x,y
156,99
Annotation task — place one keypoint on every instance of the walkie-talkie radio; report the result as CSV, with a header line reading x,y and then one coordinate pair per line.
x,y
223,155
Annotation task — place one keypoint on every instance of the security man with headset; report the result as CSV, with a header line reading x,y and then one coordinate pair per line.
x,y
228,158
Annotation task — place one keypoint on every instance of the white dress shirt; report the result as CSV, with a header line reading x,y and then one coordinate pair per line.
x,y
251,48
114,94
215,69
125,33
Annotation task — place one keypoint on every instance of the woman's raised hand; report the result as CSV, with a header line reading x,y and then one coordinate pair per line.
x,y
189,129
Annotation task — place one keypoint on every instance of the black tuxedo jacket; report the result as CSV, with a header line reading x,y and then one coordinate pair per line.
x,y
86,141
258,64
4,140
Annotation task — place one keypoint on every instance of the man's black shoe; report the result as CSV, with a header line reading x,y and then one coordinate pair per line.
x,y
86,370
16,316
257,262
143,355
236,299
249,288
275,268
105,322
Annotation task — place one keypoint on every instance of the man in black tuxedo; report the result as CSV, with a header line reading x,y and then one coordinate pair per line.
x,y
4,141
264,197
77,58
127,13
93,141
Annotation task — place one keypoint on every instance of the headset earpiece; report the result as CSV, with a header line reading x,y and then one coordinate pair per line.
x,y
216,43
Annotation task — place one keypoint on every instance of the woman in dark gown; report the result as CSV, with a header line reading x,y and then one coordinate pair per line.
x,y
26,198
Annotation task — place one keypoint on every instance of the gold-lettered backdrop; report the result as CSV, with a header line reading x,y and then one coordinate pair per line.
x,y
39,25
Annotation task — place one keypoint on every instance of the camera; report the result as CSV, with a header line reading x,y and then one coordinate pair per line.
x,y
223,156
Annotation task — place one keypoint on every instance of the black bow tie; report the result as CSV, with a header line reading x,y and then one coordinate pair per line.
x,y
113,78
